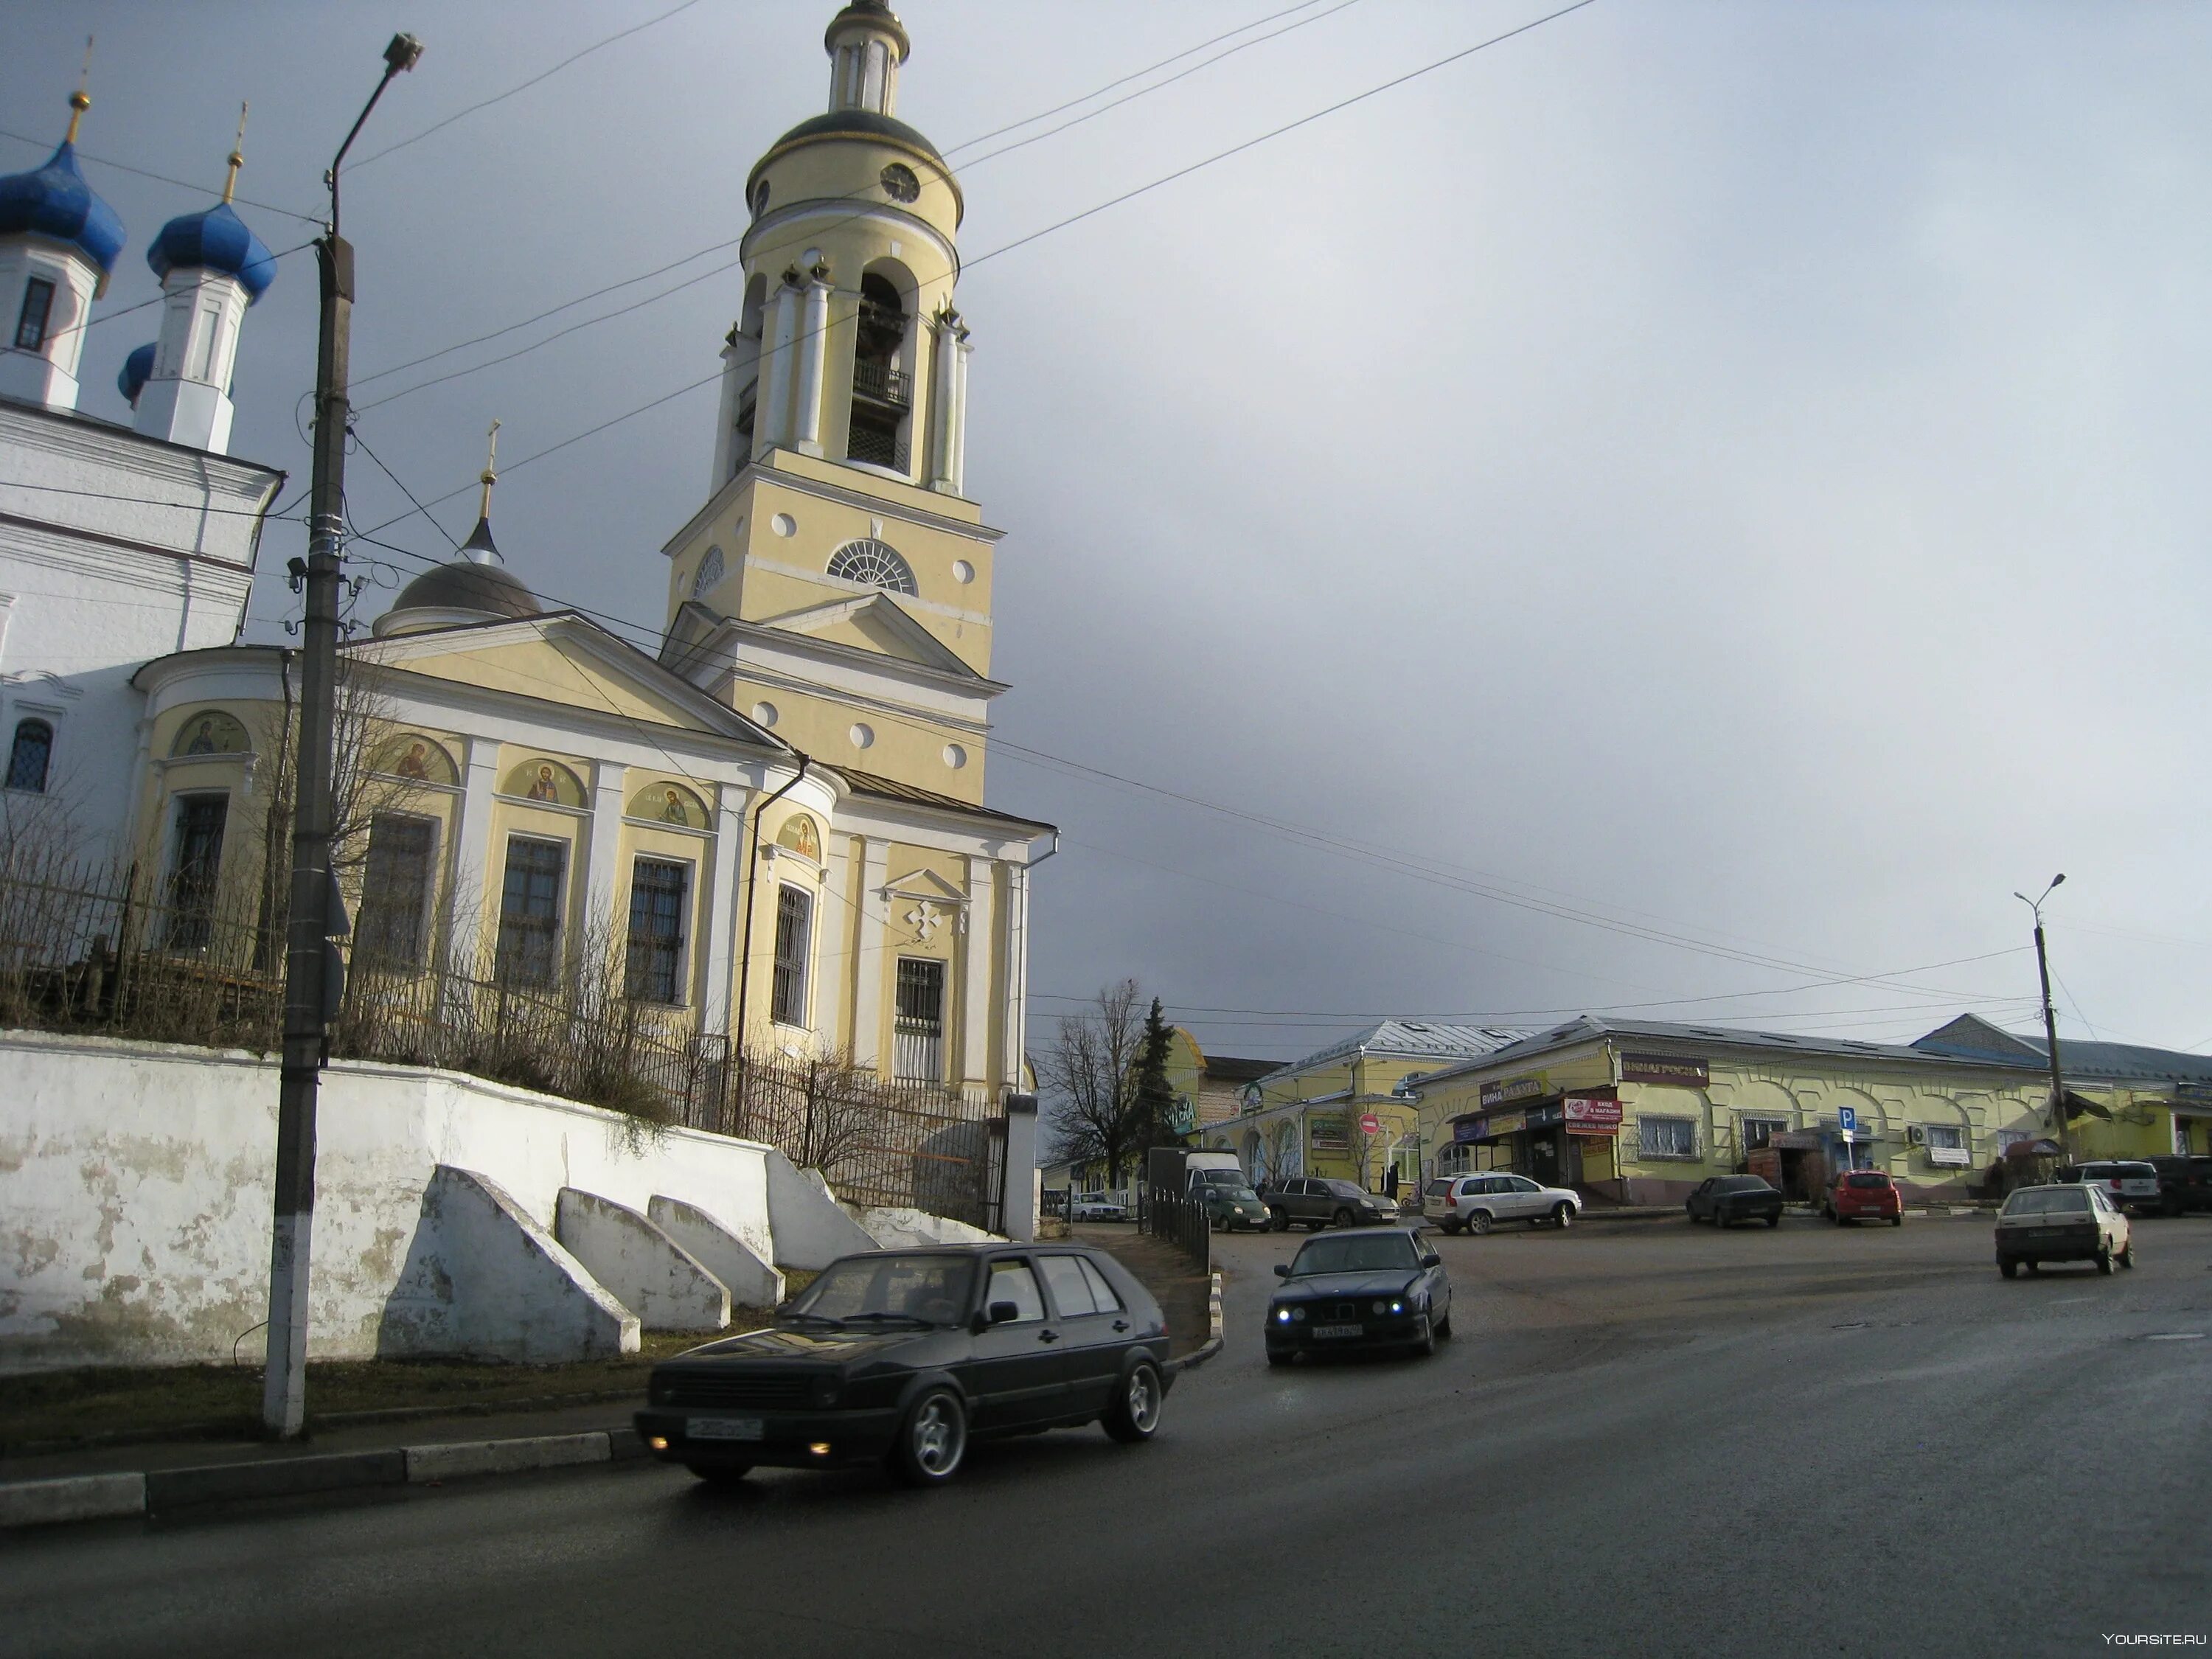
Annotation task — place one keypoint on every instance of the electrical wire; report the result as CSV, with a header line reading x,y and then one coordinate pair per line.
x,y
163,177
355,433
521,87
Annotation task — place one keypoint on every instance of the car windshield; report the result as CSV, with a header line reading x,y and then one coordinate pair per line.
x,y
1346,1188
2046,1200
927,1289
1366,1253
2134,1171
1234,1194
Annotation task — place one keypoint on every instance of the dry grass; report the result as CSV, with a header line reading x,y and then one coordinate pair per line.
x,y
48,1410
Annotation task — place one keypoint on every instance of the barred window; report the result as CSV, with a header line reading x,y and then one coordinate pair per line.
x,y
529,912
196,863
395,892
1667,1137
29,755
1759,1132
918,1026
877,563
794,923
654,964
1944,1134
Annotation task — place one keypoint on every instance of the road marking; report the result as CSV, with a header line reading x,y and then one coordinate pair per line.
x,y
1855,1325
2175,1336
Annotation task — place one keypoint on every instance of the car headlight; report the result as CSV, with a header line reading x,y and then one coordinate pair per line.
x,y
1297,1313
1379,1306
825,1390
1397,1305
1282,1315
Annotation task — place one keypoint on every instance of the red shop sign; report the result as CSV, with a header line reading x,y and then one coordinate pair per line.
x,y
1584,1109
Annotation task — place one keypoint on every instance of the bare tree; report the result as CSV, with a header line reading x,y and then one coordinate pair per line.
x,y
1091,1075
821,1110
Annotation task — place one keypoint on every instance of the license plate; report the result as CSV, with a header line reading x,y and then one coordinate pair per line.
x,y
1338,1330
724,1428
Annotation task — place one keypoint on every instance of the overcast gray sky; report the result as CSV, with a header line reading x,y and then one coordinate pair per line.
x,y
1733,472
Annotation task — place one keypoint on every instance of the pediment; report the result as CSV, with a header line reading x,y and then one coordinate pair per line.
x,y
874,622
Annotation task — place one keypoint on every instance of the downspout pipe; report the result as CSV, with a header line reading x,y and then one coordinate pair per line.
x,y
752,883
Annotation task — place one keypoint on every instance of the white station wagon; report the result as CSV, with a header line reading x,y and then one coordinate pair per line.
x,y
1476,1203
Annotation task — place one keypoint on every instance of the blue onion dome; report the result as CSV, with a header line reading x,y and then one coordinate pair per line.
x,y
54,201
216,239
138,369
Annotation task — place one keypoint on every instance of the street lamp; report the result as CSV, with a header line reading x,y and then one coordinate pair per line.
x,y
2050,1020
310,997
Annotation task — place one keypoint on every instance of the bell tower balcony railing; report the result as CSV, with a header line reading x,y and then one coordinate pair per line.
x,y
883,384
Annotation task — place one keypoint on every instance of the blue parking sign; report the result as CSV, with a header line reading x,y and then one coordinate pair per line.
x,y
1847,1118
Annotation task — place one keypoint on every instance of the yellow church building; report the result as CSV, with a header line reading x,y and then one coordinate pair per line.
x,y
775,829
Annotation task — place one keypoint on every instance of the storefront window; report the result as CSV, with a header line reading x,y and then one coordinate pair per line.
x,y
1667,1137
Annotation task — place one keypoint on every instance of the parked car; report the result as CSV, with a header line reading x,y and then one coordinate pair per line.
x,y
2074,1222
1476,1203
1324,1201
1726,1199
2131,1184
1365,1291
1863,1195
1230,1206
2184,1180
901,1356
1099,1206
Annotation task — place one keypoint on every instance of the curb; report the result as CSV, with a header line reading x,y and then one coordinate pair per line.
x,y
1212,1345
166,1492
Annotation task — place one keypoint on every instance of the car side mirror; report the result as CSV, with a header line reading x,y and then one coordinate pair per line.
x,y
1005,1312
1432,1260
1282,1270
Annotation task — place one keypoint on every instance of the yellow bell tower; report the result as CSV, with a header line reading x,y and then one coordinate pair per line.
x,y
836,585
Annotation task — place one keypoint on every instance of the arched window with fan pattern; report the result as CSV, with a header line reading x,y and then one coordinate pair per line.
x,y
877,563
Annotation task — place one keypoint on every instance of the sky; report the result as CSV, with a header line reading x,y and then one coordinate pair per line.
x,y
1683,511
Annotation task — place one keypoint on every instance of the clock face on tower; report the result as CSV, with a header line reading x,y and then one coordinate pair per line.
x,y
900,183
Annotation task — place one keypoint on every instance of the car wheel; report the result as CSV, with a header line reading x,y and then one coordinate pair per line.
x,y
1426,1347
1898,1220
1442,1327
1135,1412
1342,1219
1279,1222
1774,1220
2034,1266
2128,1255
1450,1227
1478,1221
2009,1269
933,1440
720,1474
2104,1260
1280,1357
1562,1215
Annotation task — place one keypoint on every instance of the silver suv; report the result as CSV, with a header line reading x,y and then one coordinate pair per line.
x,y
1475,1203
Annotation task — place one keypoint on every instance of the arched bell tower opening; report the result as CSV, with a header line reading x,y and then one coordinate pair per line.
x,y
885,340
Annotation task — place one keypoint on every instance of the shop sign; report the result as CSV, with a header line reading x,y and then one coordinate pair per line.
x,y
1328,1132
1540,1117
1519,1088
1587,1113
1464,1130
1667,1069
1503,1123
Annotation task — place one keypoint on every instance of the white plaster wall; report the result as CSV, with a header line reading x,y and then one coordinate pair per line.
x,y
752,1282
811,1228
647,1271
135,1192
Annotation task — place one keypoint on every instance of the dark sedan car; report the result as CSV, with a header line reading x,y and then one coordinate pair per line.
x,y
902,1356
1354,1290
1726,1199
1318,1201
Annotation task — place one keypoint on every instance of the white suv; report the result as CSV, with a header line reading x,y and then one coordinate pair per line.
x,y
1475,1203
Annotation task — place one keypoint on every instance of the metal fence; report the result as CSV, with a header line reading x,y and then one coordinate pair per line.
x,y
1180,1219
82,950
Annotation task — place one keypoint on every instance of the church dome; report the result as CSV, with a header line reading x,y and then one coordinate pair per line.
x,y
54,201
459,592
138,369
215,240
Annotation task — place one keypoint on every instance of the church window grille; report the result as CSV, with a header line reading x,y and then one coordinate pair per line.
x,y
529,912
192,871
794,924
710,572
654,965
395,893
918,1028
877,563
31,321
29,755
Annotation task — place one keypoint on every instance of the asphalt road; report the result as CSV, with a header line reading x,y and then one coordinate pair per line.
x,y
1644,1439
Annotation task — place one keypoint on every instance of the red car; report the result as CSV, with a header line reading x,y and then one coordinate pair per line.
x,y
1864,1195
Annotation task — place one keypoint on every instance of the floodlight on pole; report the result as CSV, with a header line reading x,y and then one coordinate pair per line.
x,y
2050,1019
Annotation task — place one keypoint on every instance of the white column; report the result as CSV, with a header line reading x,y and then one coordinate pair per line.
x,y
1015,933
939,474
814,348
835,955
957,431
868,956
722,908
600,886
1019,1215
772,412
471,893
975,1002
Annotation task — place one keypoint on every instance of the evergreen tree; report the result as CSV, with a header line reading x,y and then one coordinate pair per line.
x,y
1154,1108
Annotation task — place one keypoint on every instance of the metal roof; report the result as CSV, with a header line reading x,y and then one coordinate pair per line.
x,y
1970,1036
1416,1039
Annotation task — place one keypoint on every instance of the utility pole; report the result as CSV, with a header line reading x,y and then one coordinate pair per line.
x,y
307,960
2050,1024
